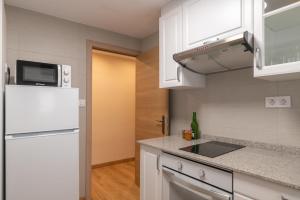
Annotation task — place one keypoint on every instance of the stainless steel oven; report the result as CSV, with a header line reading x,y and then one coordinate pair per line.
x,y
42,74
184,179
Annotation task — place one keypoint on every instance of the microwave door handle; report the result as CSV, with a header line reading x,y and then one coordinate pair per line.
x,y
206,194
59,74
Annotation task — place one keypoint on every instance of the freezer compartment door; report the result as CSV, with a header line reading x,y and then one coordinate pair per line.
x,y
42,167
37,109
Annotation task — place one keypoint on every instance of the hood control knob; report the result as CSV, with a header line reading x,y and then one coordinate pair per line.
x,y
179,166
66,80
66,72
201,174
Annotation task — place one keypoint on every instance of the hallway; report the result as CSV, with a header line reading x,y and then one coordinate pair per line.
x,y
114,182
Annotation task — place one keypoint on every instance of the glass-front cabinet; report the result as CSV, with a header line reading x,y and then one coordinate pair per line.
x,y
277,39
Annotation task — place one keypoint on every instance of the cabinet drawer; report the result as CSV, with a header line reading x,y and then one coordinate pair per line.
x,y
261,190
204,173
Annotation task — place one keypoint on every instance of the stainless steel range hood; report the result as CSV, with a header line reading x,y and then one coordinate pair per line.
x,y
229,54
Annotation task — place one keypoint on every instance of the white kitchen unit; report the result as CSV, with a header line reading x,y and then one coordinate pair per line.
x,y
248,187
207,21
171,74
41,143
184,179
277,40
150,174
42,166
185,25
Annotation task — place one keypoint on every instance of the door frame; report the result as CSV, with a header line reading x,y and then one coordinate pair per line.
x,y
90,46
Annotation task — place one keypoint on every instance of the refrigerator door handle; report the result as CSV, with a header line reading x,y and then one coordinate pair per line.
x,y
40,134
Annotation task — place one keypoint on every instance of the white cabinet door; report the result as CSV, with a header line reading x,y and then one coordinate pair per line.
x,y
171,74
241,197
277,40
207,20
260,189
170,42
151,177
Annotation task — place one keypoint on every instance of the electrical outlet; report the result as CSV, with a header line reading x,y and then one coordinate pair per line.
x,y
284,102
278,102
270,102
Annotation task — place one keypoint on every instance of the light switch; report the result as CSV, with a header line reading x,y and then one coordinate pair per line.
x,y
81,102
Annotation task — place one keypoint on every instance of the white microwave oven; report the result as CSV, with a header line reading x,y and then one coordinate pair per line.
x,y
43,74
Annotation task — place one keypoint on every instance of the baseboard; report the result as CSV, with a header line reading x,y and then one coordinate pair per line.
x,y
112,163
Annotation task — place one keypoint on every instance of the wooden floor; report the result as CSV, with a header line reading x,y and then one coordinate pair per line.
x,y
115,182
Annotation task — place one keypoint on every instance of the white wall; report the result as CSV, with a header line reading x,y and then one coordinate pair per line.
x,y
232,106
113,107
150,42
34,36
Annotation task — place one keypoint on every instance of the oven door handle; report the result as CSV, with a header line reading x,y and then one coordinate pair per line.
x,y
209,194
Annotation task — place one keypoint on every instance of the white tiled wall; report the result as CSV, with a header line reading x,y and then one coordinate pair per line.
x,y
232,105
33,36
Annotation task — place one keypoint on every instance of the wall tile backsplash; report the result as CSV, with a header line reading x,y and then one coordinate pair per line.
x,y
233,105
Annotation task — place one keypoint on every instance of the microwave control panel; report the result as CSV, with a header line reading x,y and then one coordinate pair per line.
x,y
66,76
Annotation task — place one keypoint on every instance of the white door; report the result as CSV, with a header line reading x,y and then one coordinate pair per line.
x,y
151,177
206,20
42,167
170,42
36,109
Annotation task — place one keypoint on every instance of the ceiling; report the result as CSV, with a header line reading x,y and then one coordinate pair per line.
x,y
136,18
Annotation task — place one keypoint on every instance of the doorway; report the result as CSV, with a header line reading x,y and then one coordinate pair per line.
x,y
113,126
151,120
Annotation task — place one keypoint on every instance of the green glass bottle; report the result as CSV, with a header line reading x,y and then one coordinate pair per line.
x,y
195,127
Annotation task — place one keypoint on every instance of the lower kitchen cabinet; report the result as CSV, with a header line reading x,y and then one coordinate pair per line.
x,y
151,176
248,187
245,187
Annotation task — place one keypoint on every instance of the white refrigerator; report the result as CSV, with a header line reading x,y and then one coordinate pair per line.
x,y
41,143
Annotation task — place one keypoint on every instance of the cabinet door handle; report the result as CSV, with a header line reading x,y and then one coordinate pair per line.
x,y
157,162
177,73
257,58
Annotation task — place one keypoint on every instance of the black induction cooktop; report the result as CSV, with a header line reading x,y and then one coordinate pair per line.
x,y
212,149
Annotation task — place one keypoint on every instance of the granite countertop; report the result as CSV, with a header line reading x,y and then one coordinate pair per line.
x,y
280,167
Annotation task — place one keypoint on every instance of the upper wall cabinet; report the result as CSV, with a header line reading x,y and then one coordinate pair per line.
x,y
172,75
206,21
277,39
